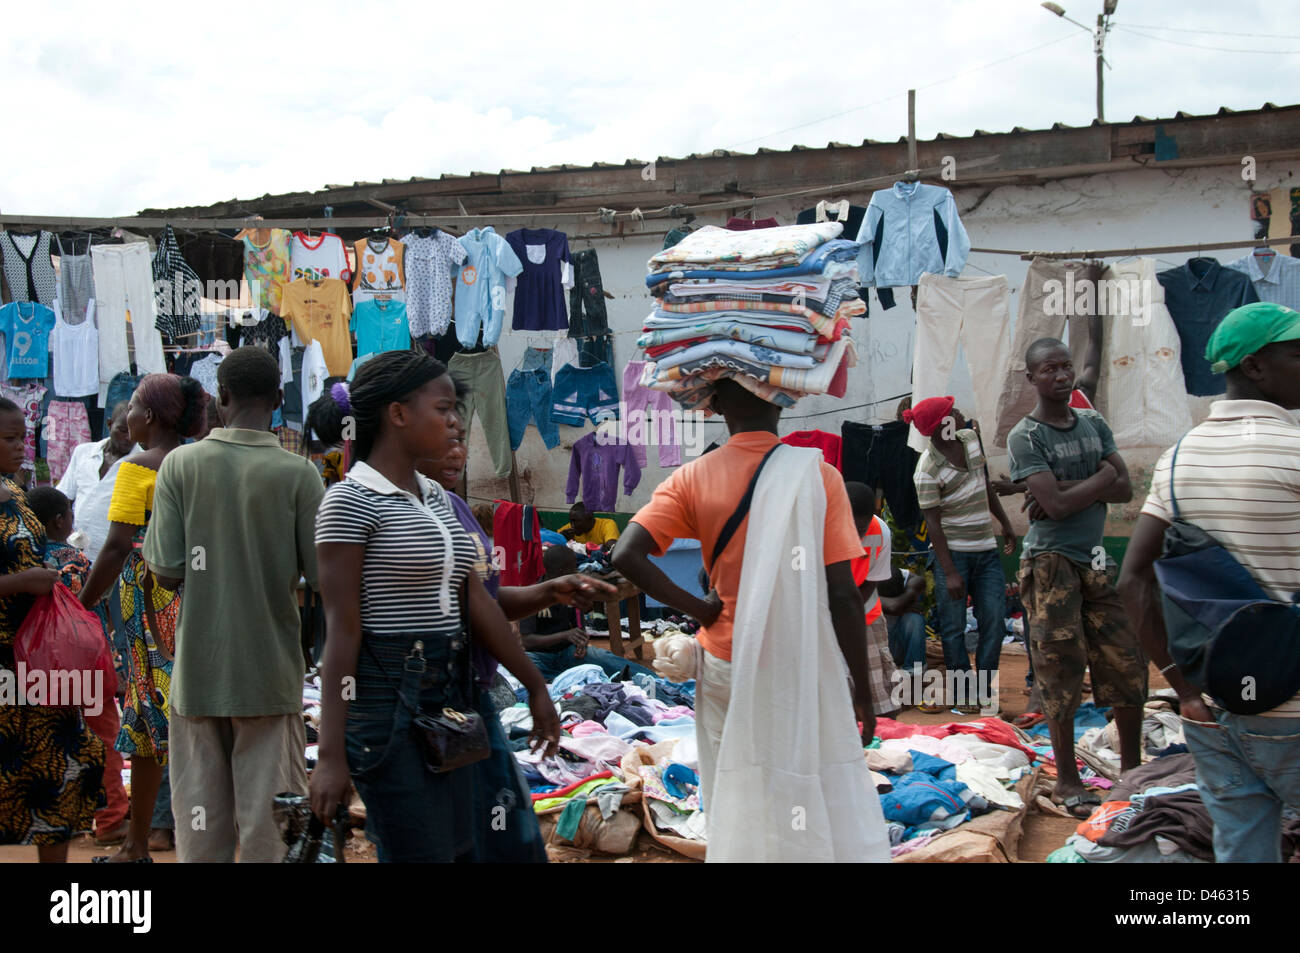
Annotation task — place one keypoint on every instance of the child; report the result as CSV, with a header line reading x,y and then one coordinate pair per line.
x,y
1073,614
868,570
55,510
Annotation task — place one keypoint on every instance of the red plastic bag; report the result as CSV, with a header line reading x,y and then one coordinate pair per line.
x,y
68,662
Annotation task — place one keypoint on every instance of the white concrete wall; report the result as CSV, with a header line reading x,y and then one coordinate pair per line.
x,y
1140,208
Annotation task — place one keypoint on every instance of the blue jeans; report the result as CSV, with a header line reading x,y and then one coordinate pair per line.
x,y
551,664
505,827
1248,770
987,586
906,639
584,393
528,400
413,815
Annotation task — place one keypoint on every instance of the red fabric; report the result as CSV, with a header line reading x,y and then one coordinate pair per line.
x,y
1079,399
747,224
839,384
928,414
995,730
523,558
887,728
827,443
106,726
560,792
659,350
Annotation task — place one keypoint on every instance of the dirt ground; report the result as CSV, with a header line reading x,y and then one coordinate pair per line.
x,y
1042,833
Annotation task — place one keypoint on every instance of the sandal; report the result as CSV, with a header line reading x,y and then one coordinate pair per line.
x,y
1087,801
108,859
927,709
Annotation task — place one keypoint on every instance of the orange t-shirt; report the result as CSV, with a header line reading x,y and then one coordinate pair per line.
x,y
698,499
318,311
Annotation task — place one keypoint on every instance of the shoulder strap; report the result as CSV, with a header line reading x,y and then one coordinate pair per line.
x,y
1173,500
742,510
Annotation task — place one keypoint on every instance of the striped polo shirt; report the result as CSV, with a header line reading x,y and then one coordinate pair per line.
x,y
417,553
1238,478
960,494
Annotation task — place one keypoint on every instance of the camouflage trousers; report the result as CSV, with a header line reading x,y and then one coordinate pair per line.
x,y
1075,621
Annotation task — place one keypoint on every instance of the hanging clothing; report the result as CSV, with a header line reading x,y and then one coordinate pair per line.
x,y
973,313
547,272
878,455
124,283
1198,296
177,289
26,327
481,285
69,427
486,383
379,269
76,282
30,398
266,267
1044,308
28,268
910,230
1276,278
769,758
587,314
314,372
429,263
517,530
318,256
76,353
528,399
1141,368
381,326
828,443
595,465
217,260
584,393
319,310
660,430
205,372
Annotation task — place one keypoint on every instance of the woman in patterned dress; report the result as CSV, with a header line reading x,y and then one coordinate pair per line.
x,y
51,763
163,411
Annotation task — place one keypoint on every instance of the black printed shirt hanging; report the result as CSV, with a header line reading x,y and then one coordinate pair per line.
x,y
177,290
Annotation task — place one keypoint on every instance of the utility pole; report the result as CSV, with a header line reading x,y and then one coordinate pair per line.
x,y
1098,42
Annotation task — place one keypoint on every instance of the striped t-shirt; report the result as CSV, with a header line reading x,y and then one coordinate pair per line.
x,y
960,494
418,555
1238,478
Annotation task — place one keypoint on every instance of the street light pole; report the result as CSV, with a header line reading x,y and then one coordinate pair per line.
x,y
1098,42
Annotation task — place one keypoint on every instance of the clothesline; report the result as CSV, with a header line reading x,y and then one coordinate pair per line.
x,y
1153,250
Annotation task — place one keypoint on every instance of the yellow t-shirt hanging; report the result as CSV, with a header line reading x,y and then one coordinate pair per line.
x,y
319,311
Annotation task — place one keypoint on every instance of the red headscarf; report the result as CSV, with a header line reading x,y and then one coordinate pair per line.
x,y
929,414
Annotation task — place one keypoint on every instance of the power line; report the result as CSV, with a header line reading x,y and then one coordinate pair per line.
x,y
878,102
1199,46
1174,29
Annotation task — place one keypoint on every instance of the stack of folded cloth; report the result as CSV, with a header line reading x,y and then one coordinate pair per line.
x,y
769,308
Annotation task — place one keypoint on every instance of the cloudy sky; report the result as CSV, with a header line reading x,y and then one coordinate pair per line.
x,y
111,111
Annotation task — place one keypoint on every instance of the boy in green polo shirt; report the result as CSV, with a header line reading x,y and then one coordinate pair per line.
x,y
1076,621
234,518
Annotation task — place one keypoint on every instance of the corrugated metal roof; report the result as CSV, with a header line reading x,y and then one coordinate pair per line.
x,y
765,150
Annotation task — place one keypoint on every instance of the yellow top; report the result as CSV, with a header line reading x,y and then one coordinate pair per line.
x,y
604,530
132,499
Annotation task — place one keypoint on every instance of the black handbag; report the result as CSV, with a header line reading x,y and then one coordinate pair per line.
x,y
450,738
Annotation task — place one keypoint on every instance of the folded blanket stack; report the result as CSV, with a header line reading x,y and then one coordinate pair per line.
x,y
768,308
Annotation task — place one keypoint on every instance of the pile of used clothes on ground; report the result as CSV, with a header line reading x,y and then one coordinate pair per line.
x,y
931,778
1154,815
622,741
767,307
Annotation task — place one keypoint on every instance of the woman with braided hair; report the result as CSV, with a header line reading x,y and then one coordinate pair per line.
x,y
396,570
164,410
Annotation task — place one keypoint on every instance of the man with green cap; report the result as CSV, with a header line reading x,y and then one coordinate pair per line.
x,y
1238,479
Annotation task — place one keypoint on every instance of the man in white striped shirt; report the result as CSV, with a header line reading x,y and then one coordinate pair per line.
x,y
1238,480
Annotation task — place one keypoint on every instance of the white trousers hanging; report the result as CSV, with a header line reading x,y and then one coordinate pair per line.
x,y
124,282
1141,369
972,312
791,782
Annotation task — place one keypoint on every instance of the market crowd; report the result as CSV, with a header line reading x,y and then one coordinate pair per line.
x,y
196,539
